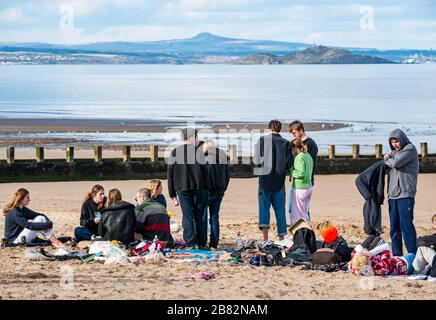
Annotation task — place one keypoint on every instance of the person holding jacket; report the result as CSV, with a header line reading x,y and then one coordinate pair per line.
x,y
219,178
22,225
90,215
403,168
301,175
118,219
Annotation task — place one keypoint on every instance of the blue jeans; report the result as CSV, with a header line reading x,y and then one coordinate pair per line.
x,y
194,222
81,234
401,220
215,199
278,201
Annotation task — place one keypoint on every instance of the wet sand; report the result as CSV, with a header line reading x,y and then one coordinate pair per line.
x,y
335,200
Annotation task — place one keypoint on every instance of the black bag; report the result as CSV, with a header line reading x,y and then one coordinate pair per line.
x,y
427,241
304,238
340,248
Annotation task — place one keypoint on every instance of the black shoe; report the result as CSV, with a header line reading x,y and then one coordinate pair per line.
x,y
205,248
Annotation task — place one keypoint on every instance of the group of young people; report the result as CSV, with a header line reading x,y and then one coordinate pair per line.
x,y
198,177
102,217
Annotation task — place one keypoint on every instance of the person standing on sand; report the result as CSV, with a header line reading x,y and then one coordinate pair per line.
x,y
403,164
301,191
296,128
273,157
188,186
219,178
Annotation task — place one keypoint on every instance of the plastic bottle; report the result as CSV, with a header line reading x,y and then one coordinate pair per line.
x,y
239,241
255,261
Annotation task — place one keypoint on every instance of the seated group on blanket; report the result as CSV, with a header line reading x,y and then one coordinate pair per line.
x,y
106,218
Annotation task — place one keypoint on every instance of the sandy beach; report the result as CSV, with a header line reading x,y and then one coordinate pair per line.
x,y
335,200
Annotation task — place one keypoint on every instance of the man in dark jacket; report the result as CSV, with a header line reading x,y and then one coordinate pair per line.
x,y
371,185
188,184
152,218
219,178
403,164
118,222
273,159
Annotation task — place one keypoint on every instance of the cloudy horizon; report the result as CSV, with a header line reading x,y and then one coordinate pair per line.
x,y
370,24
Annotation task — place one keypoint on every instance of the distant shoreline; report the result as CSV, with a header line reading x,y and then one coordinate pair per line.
x,y
13,127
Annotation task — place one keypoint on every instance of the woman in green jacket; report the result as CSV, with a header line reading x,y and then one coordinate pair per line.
x,y
301,175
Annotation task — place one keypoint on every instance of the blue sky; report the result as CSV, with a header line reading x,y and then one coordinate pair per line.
x,y
381,24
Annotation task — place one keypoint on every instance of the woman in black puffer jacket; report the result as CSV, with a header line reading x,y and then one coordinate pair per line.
x,y
118,219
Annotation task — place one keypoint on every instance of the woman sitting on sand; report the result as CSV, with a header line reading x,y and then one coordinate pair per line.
x,y
90,214
22,225
118,219
156,192
373,258
301,190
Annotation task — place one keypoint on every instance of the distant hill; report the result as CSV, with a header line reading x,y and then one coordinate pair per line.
x,y
314,55
201,49
203,43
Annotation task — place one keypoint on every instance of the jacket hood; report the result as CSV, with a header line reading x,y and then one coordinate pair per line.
x,y
401,136
119,206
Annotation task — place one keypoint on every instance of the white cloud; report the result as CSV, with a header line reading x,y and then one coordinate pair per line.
x,y
11,15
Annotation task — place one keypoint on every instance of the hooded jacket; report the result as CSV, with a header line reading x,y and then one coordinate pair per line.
x,y
371,185
403,168
118,222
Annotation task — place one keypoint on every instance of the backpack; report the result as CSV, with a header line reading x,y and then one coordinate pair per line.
x,y
427,241
304,238
335,252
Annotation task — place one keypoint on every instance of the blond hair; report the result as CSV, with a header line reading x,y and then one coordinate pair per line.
x,y
359,263
16,200
154,187
114,197
297,143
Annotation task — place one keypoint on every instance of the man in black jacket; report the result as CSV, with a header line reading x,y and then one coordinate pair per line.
x,y
219,178
371,185
188,184
274,159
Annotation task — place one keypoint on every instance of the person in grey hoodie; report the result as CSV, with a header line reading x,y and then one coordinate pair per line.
x,y
403,164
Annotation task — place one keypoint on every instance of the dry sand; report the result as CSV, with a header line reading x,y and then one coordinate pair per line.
x,y
335,200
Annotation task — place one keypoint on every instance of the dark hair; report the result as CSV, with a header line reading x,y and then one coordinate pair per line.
x,y
296,125
188,133
275,125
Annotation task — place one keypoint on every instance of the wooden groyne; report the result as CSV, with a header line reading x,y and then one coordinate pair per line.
x,y
154,165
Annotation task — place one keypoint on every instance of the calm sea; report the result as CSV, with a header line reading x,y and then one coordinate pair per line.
x,y
373,98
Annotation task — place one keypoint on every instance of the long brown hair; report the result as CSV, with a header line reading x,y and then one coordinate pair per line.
x,y
90,195
114,197
16,200
153,187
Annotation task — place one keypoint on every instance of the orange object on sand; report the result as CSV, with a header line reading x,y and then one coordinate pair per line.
x,y
330,234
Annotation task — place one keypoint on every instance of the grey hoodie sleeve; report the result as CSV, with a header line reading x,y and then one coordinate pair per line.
x,y
401,157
